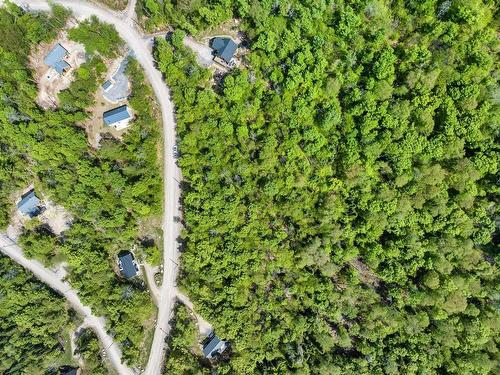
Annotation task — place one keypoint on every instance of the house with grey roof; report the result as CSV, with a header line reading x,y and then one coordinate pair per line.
x,y
117,118
224,50
55,59
29,204
127,264
213,346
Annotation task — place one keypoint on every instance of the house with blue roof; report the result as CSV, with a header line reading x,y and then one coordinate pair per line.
x,y
213,346
55,59
117,118
127,264
29,204
224,50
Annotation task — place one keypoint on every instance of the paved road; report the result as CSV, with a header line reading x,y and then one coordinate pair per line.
x,y
13,251
129,32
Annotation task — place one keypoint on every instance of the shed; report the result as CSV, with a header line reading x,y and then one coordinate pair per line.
x,y
127,264
224,48
106,85
213,346
117,117
55,59
28,205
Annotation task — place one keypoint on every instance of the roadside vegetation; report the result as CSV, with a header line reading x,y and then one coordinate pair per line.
x,y
184,354
340,191
107,191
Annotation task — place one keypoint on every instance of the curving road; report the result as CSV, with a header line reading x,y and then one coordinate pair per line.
x,y
126,27
13,251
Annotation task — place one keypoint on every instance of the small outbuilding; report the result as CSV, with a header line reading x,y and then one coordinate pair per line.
x,y
224,50
106,85
29,204
127,264
213,346
118,118
55,59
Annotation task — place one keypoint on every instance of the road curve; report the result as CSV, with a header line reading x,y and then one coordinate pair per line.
x,y
171,174
13,251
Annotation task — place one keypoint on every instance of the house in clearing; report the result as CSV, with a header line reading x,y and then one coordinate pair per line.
x,y
224,50
29,204
127,264
213,346
55,59
117,118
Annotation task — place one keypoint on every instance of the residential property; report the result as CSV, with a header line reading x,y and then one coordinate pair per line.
x,y
55,59
127,264
29,204
118,118
224,50
213,346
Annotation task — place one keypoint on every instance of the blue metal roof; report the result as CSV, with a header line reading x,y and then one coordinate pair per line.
x,y
213,347
115,115
60,66
225,48
106,85
55,58
127,265
29,203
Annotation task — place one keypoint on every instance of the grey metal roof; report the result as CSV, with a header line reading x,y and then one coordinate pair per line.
x,y
55,58
28,205
225,48
115,115
213,347
106,84
127,265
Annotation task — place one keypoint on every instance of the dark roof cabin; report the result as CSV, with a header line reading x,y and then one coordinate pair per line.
x,y
127,264
224,48
29,204
213,346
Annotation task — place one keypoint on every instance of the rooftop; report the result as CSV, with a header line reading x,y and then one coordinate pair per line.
x,y
213,346
127,264
116,115
224,48
28,205
55,58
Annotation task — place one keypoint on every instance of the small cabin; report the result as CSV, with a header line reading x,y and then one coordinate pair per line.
x,y
213,346
55,59
117,118
224,50
29,204
127,264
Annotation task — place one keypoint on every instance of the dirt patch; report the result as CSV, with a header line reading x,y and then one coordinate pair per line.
x,y
49,82
55,216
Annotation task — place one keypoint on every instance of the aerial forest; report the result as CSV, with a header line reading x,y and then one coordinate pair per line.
x,y
341,185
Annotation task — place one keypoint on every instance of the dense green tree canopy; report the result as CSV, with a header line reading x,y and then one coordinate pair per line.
x,y
341,185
